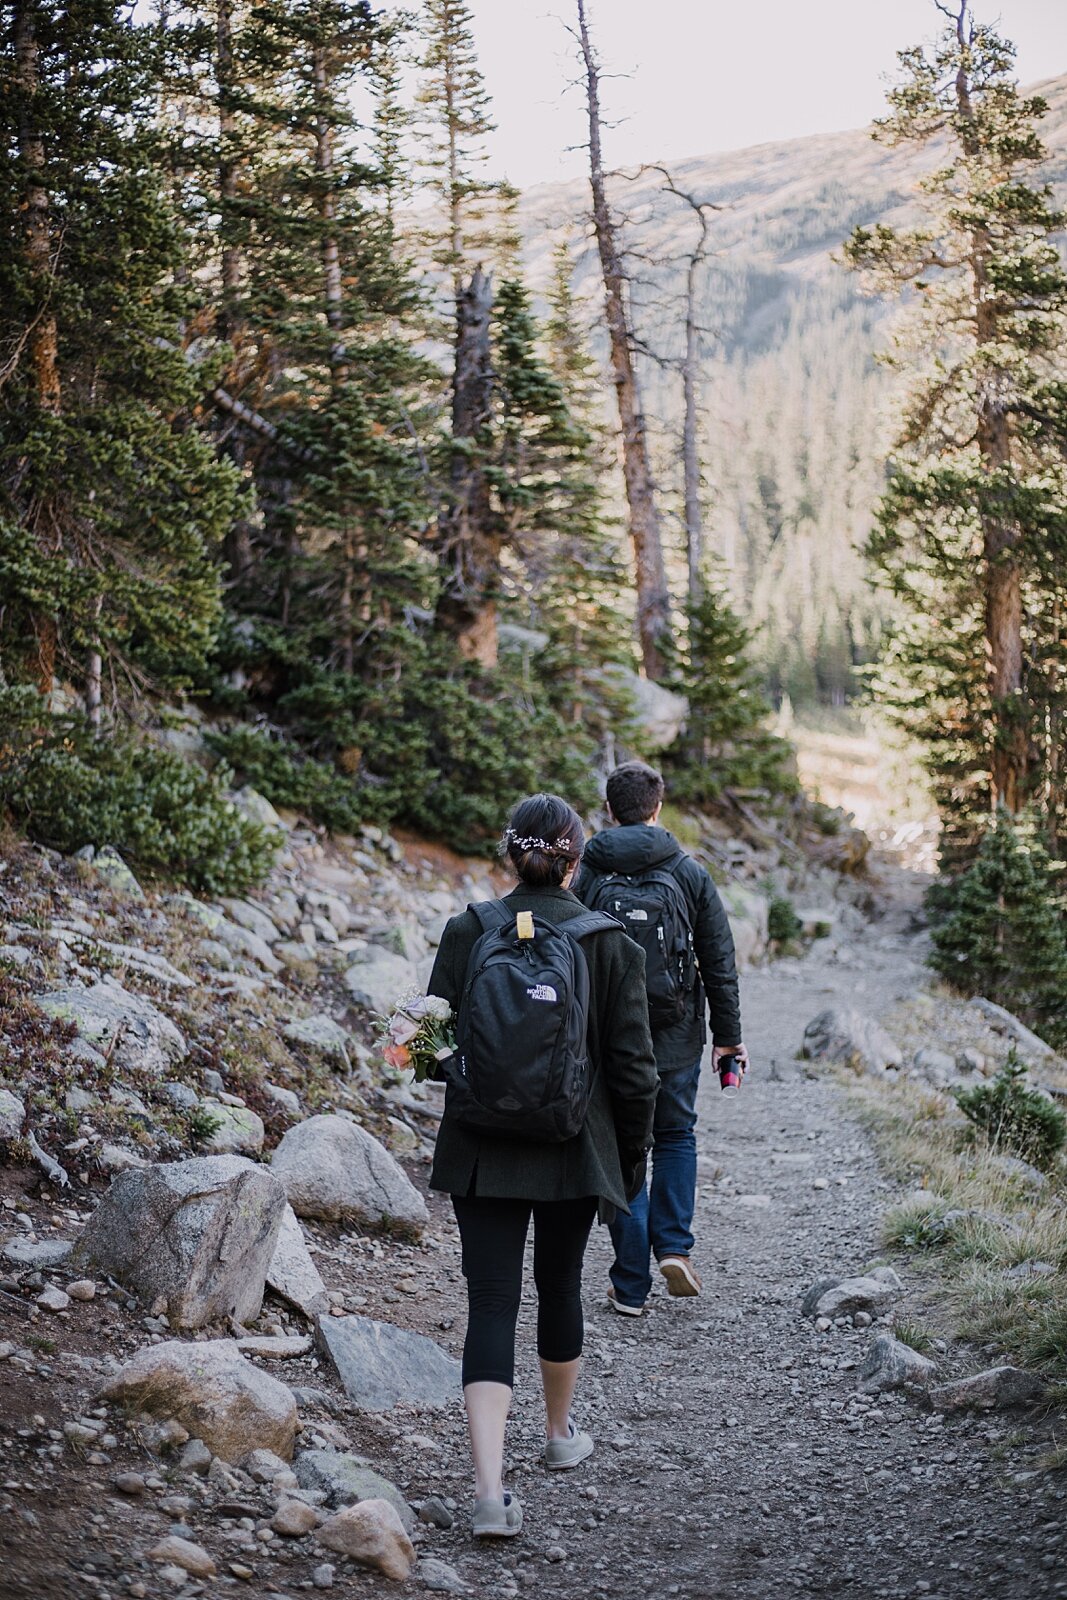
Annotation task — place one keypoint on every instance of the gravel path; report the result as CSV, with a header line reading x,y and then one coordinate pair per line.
x,y
734,1457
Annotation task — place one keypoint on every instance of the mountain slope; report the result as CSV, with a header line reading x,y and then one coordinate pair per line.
x,y
796,411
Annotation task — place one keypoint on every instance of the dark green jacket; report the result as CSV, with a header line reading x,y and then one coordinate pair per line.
x,y
624,1083
638,848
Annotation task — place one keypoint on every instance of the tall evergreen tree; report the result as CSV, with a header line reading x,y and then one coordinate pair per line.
x,y
112,503
972,531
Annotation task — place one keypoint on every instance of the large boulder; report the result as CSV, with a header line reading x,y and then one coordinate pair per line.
x,y
851,1039
997,1389
748,912
336,1170
214,1393
292,1274
346,1479
198,1234
382,1366
659,713
373,1535
378,978
147,1041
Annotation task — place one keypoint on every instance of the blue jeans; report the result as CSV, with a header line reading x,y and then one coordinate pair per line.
x,y
660,1224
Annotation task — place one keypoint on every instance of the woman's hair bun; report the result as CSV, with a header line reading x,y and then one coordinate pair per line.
x,y
543,839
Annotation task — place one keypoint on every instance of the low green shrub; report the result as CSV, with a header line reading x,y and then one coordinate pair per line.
x,y
783,924
66,789
1014,1117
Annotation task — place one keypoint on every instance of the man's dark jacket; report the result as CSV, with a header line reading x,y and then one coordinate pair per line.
x,y
640,848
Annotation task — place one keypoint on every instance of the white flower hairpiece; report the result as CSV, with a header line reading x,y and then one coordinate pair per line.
x,y
511,837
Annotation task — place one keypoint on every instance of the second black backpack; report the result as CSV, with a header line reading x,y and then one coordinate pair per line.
x,y
521,1066
653,909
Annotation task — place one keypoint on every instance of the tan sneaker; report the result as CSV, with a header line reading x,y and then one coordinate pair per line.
x,y
680,1275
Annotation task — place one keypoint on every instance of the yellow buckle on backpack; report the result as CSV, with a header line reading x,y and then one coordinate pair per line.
x,y
524,925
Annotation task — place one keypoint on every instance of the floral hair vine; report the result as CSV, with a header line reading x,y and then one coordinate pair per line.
x,y
511,837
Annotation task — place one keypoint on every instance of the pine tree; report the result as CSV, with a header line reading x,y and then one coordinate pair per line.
x,y
1004,936
726,743
112,503
972,531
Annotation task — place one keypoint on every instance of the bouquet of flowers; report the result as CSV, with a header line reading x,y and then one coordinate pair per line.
x,y
418,1034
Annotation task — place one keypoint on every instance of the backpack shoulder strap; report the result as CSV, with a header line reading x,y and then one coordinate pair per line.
x,y
491,914
590,922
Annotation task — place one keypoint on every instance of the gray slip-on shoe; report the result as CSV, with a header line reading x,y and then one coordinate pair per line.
x,y
560,1454
497,1519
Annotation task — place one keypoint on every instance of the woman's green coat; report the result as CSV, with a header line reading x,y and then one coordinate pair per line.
x,y
624,1083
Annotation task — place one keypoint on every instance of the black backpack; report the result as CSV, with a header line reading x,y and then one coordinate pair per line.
x,y
653,908
521,1066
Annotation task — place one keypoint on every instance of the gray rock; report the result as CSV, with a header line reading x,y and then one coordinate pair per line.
x,y
263,1466
936,1066
435,1513
890,1364
248,945
345,1479
382,1366
333,1169
320,1033
53,1299
813,1295
79,1100
659,712
1005,1022
378,978
15,955
185,1555
748,913
295,954
292,1274
1027,1176
37,1255
117,1158
869,1293
195,1458
254,918
439,1577
199,1234
147,1040
275,1346
238,1130
256,806
181,1095
969,1060
294,1518
285,1098
109,865
997,1389
851,1039
323,1575
215,1394
12,1115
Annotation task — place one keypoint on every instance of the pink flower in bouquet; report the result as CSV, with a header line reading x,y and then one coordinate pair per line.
x,y
397,1056
402,1028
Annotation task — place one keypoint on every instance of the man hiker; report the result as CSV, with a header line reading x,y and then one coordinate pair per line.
x,y
639,873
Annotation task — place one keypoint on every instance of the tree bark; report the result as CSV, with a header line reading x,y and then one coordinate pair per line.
x,y
653,601
228,164
470,538
1001,566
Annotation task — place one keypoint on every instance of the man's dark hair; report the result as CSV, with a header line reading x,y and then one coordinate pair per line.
x,y
634,791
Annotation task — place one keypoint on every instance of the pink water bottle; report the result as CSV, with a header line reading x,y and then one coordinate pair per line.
x,y
730,1074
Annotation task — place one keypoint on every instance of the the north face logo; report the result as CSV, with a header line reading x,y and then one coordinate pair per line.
x,y
542,991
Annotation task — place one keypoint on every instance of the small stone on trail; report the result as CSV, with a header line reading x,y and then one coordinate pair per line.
x,y
131,1483
440,1577
891,1364
82,1289
177,1552
322,1577
372,1534
294,1518
821,1183
196,1457
263,1465
53,1299
435,1512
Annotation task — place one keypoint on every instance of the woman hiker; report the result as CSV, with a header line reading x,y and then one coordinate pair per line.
x,y
527,1131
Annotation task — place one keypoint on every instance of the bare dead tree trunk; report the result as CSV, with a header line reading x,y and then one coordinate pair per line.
x,y
93,677
229,164
43,339
653,601
331,259
1002,571
469,538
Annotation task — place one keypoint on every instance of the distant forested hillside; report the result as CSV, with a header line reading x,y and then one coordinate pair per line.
x,y
796,409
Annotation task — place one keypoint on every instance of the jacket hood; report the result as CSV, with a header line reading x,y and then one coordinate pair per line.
x,y
634,848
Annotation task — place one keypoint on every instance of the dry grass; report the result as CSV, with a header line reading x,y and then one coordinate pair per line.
x,y
1001,1242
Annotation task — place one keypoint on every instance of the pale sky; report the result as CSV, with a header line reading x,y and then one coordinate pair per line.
x,y
708,75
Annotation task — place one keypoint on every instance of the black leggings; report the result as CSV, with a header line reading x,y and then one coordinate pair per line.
x,y
493,1234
